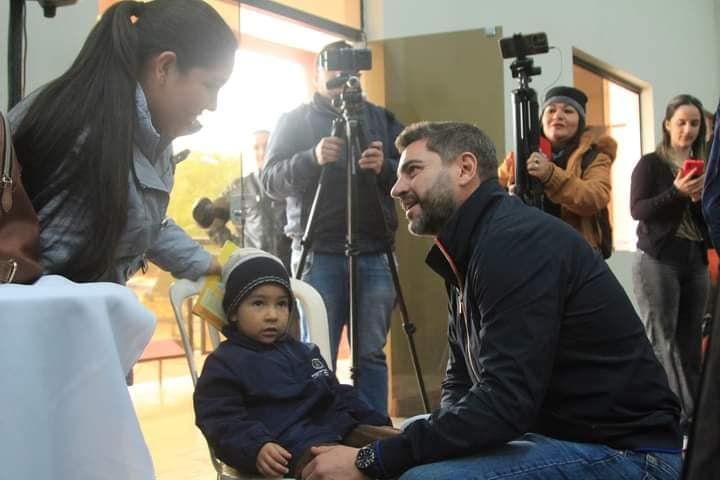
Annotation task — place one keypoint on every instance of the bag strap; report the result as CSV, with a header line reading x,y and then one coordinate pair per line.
x,y
588,157
6,175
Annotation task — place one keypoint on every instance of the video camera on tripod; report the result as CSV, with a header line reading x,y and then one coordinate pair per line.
x,y
526,112
347,99
349,62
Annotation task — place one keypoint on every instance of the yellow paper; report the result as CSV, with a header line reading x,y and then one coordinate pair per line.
x,y
208,305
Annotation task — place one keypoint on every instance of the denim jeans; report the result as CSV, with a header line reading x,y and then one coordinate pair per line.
x,y
536,457
671,298
376,292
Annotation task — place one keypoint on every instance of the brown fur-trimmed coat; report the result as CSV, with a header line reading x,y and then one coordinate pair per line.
x,y
580,195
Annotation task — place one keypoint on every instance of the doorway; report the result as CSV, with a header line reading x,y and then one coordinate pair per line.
x,y
613,109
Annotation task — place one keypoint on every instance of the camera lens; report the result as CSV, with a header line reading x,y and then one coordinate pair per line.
x,y
204,212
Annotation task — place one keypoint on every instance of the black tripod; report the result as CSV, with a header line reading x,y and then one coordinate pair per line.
x,y
350,126
527,131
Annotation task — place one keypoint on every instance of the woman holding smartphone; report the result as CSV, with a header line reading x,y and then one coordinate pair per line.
x,y
670,273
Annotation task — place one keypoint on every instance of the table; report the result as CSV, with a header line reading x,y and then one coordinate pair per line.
x,y
65,410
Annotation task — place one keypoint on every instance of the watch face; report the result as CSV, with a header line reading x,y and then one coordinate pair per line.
x,y
365,457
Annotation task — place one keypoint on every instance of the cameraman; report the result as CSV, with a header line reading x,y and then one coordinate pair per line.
x,y
258,220
299,148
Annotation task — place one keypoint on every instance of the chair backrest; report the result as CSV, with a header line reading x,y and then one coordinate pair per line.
x,y
312,309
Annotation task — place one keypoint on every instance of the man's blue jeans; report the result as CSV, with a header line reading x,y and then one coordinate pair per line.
x,y
376,297
535,457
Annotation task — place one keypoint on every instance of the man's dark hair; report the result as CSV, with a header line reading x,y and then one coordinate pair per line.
x,y
450,139
338,45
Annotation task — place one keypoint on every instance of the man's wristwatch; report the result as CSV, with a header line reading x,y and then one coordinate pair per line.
x,y
366,461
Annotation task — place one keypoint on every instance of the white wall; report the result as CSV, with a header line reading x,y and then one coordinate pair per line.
x,y
53,43
674,46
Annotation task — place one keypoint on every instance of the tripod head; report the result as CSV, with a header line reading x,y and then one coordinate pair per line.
x,y
349,102
519,47
523,69
350,99
349,62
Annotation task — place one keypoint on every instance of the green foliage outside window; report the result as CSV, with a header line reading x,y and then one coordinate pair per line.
x,y
200,175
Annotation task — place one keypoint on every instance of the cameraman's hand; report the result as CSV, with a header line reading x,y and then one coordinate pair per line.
x,y
328,150
539,166
272,460
372,158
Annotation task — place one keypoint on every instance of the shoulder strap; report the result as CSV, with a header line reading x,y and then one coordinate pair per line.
x,y
6,166
588,157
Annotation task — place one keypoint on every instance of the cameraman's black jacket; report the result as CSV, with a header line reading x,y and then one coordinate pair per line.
x,y
291,170
542,339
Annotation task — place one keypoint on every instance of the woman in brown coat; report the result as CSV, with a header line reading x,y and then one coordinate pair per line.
x,y
572,191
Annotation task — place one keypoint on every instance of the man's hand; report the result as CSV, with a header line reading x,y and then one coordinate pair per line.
x,y
372,158
328,150
333,463
272,460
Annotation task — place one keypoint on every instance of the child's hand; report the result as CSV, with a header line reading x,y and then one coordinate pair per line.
x,y
272,460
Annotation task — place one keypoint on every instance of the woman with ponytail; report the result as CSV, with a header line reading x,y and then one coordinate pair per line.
x,y
95,143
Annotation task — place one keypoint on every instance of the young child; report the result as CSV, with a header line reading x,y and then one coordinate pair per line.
x,y
264,398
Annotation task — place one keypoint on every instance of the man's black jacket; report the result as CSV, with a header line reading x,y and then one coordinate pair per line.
x,y
291,170
542,339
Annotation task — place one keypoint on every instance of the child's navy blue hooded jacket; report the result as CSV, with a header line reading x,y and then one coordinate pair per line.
x,y
249,394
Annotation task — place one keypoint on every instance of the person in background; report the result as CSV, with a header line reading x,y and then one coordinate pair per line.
x,y
709,127
301,146
573,191
95,143
258,219
670,274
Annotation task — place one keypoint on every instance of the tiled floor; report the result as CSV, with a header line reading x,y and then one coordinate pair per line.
x,y
166,417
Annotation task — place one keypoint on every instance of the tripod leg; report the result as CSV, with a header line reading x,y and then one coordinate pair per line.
x,y
358,135
409,328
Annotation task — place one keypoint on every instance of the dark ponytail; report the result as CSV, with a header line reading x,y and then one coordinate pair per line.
x,y
75,141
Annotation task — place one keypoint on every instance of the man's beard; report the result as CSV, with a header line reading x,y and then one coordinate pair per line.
x,y
436,208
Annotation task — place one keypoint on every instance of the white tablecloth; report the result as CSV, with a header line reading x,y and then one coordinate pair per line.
x,y
65,411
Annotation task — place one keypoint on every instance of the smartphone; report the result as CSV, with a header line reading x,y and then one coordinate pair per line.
x,y
545,147
696,167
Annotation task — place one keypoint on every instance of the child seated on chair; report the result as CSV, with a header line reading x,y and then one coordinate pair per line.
x,y
264,398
